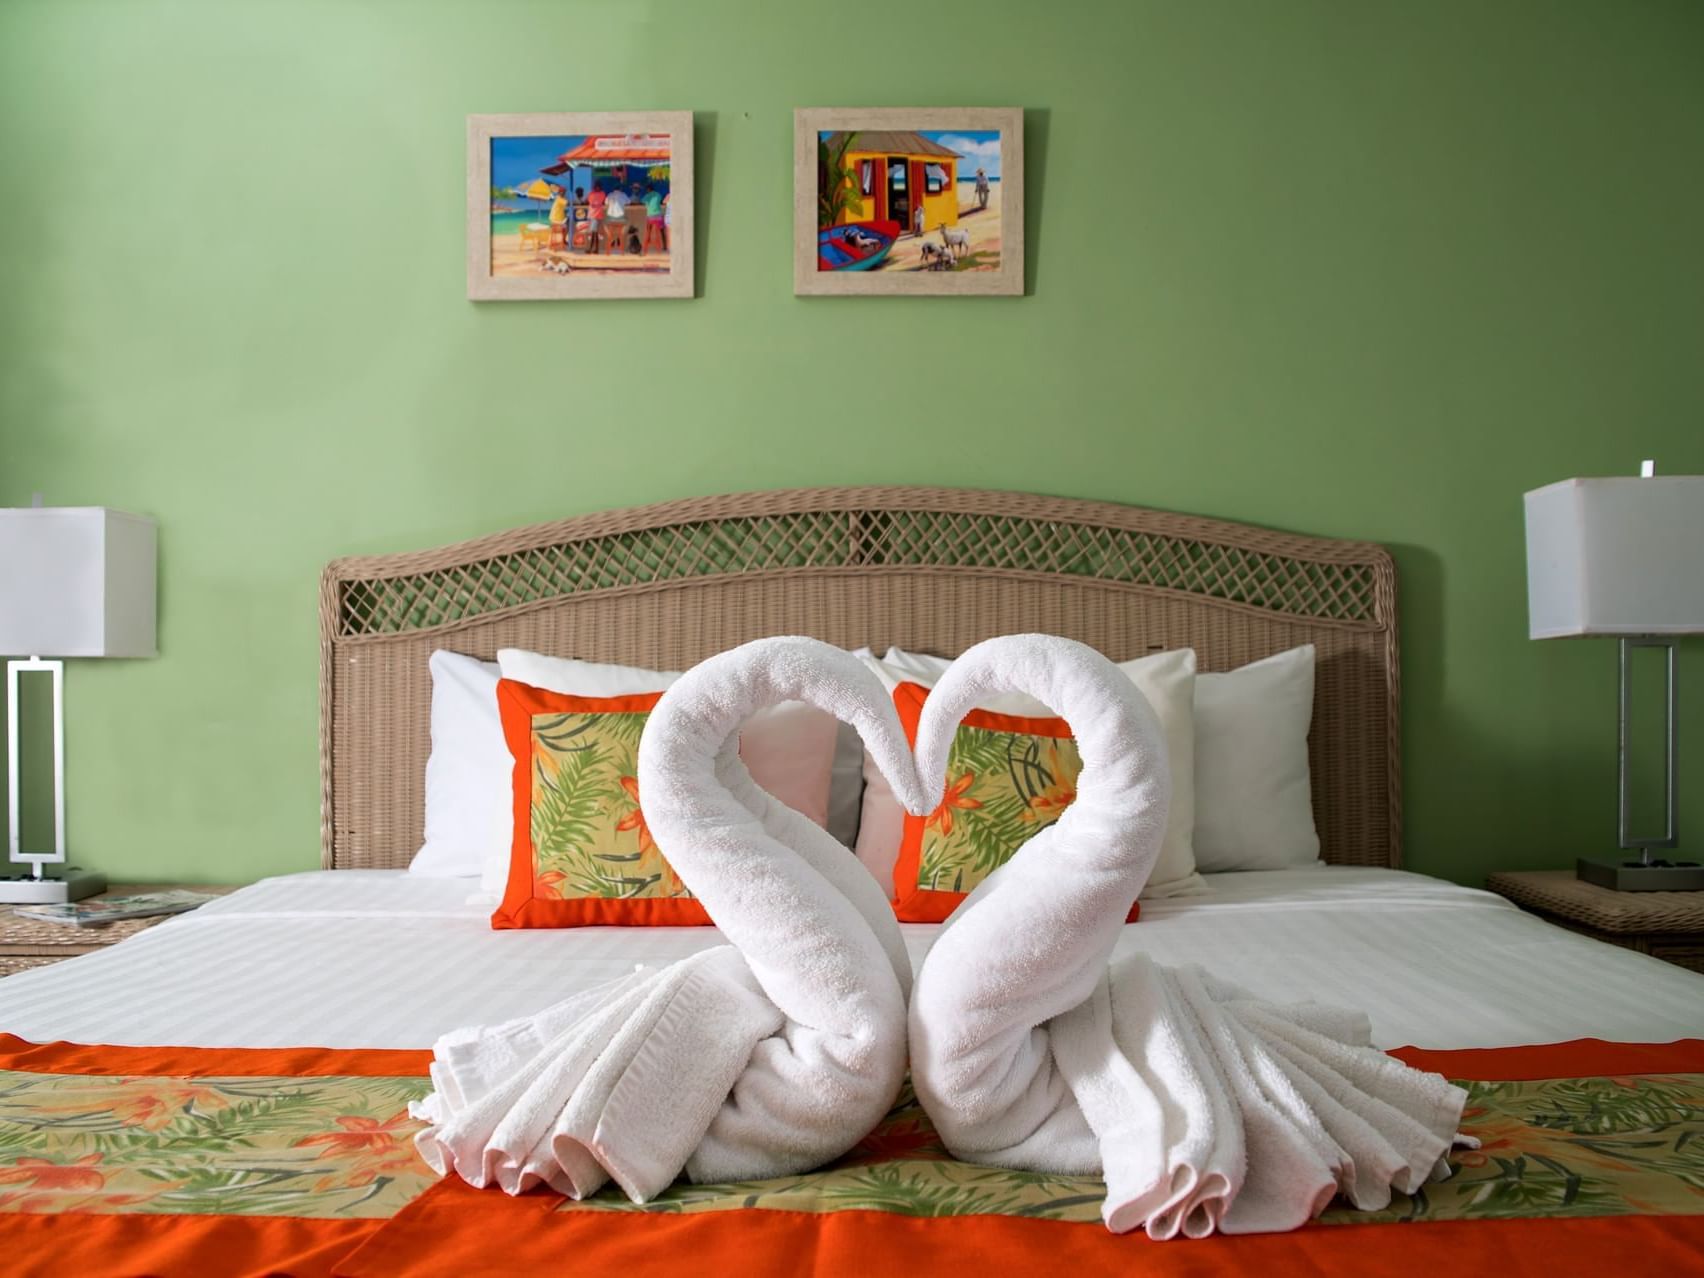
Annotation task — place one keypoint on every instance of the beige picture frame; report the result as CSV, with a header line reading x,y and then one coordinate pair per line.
x,y
935,261
495,273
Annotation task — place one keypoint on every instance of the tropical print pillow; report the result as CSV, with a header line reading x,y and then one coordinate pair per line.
x,y
582,854
1008,777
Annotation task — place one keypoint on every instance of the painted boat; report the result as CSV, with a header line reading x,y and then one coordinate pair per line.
x,y
856,246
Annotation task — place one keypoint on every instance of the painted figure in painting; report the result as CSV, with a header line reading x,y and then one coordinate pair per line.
x,y
893,200
592,204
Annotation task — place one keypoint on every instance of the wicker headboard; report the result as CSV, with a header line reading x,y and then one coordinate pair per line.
x,y
929,569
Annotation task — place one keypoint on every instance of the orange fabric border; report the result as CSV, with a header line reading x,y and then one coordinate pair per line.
x,y
1577,1058
516,704
915,904
91,1245
453,1229
200,1062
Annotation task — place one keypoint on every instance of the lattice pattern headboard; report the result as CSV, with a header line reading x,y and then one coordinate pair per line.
x,y
930,569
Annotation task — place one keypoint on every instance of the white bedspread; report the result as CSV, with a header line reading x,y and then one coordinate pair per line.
x,y
371,958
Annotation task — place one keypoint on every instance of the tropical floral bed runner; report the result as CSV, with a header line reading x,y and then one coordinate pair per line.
x,y
128,1161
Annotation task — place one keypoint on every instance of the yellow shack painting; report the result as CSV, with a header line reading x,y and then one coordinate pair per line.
x,y
908,200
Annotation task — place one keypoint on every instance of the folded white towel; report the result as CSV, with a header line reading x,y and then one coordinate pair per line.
x,y
1204,1108
767,1056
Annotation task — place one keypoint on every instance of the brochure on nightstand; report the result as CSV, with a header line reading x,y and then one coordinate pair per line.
x,y
110,909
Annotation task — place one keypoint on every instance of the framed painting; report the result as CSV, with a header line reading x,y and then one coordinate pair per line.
x,y
579,205
902,200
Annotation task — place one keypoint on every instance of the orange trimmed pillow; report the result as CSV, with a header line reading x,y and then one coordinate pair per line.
x,y
582,854
1008,776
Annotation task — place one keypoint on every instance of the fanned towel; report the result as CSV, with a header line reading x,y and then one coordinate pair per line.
x,y
767,1056
1203,1107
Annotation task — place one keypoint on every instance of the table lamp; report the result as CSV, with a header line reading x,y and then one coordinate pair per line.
x,y
1623,557
75,581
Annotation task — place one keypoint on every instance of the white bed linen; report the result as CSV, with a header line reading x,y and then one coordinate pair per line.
x,y
374,958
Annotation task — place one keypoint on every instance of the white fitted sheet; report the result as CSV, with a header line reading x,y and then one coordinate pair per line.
x,y
376,958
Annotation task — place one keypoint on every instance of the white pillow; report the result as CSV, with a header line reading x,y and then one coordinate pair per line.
x,y
1166,679
580,678
789,748
1253,796
469,772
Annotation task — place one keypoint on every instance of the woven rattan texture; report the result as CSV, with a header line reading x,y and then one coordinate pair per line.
x,y
33,936
930,569
23,936
1558,892
10,964
1689,956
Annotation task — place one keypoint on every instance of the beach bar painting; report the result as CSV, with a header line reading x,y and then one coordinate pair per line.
x,y
896,201
579,205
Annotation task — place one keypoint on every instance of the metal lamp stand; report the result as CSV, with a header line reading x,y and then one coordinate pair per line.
x,y
38,887
1647,873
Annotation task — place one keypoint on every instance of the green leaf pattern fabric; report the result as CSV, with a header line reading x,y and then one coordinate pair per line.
x,y
1551,1147
319,1147
1002,787
342,1147
588,829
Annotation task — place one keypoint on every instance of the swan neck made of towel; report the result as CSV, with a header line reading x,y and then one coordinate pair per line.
x,y
718,696
692,783
1033,938
1117,733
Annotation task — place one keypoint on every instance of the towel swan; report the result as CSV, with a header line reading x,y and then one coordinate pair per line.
x,y
815,930
1202,1107
769,1055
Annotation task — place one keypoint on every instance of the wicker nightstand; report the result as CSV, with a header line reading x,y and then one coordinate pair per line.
x,y
25,943
1665,925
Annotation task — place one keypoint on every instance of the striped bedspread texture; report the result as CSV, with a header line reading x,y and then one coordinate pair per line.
x,y
203,1157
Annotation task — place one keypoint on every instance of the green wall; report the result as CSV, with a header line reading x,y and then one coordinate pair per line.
x,y
1364,268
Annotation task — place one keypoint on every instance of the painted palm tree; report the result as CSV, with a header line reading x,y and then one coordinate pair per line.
x,y
837,185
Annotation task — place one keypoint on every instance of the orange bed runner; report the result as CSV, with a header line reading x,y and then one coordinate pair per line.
x,y
447,1232
199,1062
165,1246
187,1161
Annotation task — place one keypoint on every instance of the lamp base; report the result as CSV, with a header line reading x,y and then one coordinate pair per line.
x,y
61,885
1626,874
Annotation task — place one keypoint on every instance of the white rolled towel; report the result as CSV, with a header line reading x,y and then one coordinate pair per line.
x,y
1202,1107
767,1056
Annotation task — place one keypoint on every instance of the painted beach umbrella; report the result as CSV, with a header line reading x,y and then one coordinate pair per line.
x,y
538,189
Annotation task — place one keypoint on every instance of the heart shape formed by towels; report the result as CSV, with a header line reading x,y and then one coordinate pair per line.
x,y
1204,1108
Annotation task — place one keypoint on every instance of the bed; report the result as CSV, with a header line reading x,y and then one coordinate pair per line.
x,y
226,1093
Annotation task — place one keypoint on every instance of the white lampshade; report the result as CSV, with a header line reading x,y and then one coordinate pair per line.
x,y
76,581
1616,557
